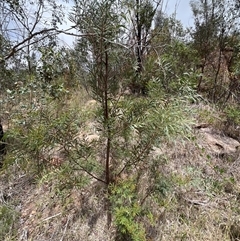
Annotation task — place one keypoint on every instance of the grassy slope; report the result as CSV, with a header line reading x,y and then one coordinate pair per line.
x,y
200,197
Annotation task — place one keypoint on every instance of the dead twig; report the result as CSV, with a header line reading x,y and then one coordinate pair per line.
x,y
65,229
46,219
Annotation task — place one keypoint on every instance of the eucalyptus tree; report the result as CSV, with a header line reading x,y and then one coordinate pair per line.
x,y
25,28
99,22
25,24
206,29
140,15
216,38
102,53
173,51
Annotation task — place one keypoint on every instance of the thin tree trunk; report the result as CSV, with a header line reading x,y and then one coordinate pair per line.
x,y
139,39
215,91
108,144
106,120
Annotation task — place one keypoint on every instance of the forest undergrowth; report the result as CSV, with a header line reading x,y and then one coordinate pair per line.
x,y
186,187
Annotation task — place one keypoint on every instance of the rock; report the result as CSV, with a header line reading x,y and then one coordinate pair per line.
x,y
219,144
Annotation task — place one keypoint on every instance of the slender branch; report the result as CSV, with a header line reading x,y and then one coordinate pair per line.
x,y
18,18
140,156
88,172
19,46
16,48
38,17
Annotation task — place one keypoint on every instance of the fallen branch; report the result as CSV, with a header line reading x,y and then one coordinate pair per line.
x,y
46,219
65,229
197,202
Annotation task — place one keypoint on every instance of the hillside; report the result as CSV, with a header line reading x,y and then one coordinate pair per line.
x,y
192,193
129,133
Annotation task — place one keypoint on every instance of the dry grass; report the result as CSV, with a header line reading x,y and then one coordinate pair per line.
x,y
63,215
203,199
200,200
205,192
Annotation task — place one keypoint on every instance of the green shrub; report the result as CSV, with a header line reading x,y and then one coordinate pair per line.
x,y
126,210
233,115
232,122
8,220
